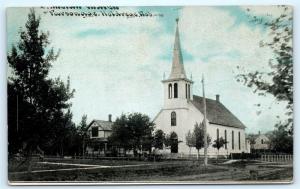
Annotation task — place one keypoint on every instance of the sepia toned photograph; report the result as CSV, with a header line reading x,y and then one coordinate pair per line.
x,y
150,95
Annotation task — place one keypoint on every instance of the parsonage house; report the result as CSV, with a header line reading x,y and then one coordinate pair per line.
x,y
98,132
182,110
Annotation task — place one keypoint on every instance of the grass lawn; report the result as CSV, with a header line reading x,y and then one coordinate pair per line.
x,y
132,171
146,171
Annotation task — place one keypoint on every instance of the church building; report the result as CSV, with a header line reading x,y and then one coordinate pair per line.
x,y
182,110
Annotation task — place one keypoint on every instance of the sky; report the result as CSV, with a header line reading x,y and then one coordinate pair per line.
x,y
116,64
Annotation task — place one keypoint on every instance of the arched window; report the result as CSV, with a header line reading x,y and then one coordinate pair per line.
x,y
189,91
218,134
175,90
239,140
262,141
173,119
170,90
186,91
225,135
232,137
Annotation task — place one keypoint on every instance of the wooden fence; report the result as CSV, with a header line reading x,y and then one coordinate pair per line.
x,y
277,158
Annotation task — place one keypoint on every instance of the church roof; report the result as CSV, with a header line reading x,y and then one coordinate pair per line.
x,y
217,113
177,63
105,125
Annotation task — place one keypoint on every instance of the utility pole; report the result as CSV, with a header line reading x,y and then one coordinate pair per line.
x,y
204,122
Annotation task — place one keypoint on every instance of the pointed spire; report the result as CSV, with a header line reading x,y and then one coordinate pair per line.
x,y
177,64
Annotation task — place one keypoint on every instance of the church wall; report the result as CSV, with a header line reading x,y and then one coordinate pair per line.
x,y
212,131
186,119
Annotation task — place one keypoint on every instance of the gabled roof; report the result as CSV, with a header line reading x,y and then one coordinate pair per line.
x,y
217,113
256,136
105,125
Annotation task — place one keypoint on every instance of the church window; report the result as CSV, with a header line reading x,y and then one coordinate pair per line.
x,y
239,140
186,91
262,141
170,90
94,131
175,90
189,91
225,135
173,119
232,137
217,134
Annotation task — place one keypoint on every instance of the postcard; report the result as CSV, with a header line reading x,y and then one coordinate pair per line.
x,y
150,95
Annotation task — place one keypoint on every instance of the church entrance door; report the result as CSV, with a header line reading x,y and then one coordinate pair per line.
x,y
174,142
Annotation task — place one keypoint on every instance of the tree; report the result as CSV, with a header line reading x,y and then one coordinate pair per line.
x,y
219,143
121,136
40,105
251,138
281,141
133,131
199,137
279,81
159,139
141,127
82,131
190,140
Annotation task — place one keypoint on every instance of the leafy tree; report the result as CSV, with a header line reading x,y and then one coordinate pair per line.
x,y
281,141
279,81
199,137
190,140
251,138
132,132
39,111
82,132
141,127
121,136
159,139
219,143
167,141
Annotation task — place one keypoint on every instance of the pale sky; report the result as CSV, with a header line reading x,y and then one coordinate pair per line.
x,y
116,63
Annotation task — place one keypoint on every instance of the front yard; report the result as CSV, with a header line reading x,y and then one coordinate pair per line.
x,y
78,170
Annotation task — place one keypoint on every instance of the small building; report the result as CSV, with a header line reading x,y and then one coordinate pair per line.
x,y
259,142
98,132
262,142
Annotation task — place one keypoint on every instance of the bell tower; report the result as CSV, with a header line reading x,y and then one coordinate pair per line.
x,y
177,88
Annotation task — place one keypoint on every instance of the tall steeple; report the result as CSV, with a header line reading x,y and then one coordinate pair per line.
x,y
177,64
178,90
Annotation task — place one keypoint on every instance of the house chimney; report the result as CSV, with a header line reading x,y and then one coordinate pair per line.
x,y
218,98
109,117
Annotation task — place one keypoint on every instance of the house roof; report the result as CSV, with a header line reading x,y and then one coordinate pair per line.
x,y
217,113
105,125
257,136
